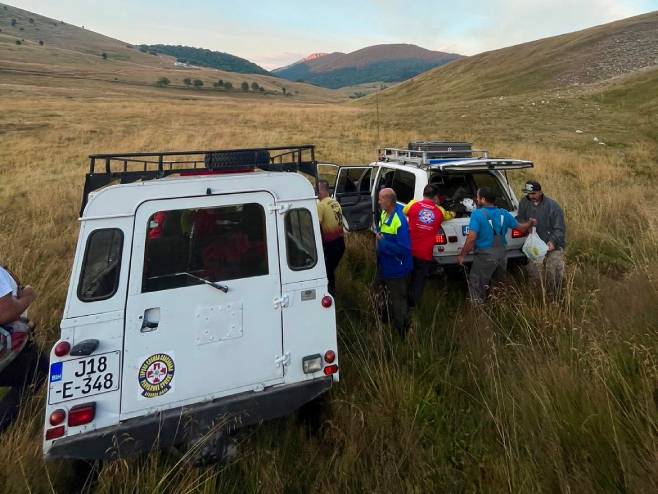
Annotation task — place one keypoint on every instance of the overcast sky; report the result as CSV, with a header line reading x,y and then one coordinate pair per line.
x,y
276,33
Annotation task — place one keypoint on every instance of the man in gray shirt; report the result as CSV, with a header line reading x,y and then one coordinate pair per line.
x,y
551,229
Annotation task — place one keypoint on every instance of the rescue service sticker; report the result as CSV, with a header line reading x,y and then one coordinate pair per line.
x,y
426,216
155,375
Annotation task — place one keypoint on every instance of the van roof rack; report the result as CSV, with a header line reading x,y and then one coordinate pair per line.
x,y
425,153
126,168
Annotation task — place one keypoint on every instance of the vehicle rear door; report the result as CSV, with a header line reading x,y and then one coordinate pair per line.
x,y
353,193
185,340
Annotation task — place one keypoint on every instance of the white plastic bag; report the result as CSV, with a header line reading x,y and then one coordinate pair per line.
x,y
534,247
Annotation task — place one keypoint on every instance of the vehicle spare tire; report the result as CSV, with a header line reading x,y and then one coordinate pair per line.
x,y
236,159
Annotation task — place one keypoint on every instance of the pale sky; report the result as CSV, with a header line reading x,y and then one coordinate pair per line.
x,y
276,33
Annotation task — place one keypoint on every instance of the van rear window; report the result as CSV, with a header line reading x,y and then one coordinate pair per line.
x,y
300,240
101,266
215,244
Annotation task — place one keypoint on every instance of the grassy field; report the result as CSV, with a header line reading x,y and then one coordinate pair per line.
x,y
525,396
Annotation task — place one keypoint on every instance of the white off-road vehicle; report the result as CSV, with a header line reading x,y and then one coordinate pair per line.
x,y
198,301
456,169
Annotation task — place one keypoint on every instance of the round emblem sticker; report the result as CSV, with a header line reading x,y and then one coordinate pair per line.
x,y
156,374
426,216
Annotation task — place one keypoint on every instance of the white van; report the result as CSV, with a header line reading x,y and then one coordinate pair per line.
x,y
198,295
455,168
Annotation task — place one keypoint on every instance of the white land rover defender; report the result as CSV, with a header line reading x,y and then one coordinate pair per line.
x,y
198,296
456,169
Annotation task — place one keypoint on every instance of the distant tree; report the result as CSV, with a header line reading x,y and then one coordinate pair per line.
x,y
187,81
162,82
283,90
218,84
18,41
197,83
153,52
40,43
261,89
143,49
228,86
13,22
31,20
254,86
245,86
104,55
21,28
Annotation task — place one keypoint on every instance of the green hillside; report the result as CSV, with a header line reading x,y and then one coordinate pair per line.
x,y
208,58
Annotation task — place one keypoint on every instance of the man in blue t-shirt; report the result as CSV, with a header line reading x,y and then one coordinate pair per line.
x,y
487,231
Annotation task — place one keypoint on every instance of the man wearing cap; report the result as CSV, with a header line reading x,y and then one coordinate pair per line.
x,y
550,228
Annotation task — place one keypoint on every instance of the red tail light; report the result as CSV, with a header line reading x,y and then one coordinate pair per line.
x,y
82,414
327,301
57,417
330,369
441,238
518,233
62,348
54,433
330,356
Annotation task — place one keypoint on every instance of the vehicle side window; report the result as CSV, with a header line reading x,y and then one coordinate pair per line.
x,y
300,240
404,184
186,246
101,267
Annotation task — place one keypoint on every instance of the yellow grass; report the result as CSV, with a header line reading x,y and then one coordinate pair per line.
x,y
528,396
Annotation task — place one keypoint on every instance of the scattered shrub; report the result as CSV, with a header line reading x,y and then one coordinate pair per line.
x,y
162,82
104,56
245,86
198,83
187,81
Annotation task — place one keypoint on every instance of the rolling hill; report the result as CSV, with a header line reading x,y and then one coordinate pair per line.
x,y
385,63
568,62
208,58
37,50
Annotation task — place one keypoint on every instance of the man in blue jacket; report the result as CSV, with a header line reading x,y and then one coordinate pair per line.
x,y
394,261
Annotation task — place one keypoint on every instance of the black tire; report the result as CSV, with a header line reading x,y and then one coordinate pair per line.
x,y
232,159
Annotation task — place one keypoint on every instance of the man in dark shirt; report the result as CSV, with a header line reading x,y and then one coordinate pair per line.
x,y
551,229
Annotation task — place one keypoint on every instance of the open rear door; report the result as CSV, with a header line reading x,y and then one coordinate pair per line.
x,y
353,193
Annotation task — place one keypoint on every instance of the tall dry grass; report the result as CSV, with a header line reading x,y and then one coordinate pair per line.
x,y
527,395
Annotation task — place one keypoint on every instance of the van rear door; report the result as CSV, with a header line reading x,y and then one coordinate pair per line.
x,y
200,315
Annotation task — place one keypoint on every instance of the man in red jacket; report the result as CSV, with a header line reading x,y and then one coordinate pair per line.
x,y
425,220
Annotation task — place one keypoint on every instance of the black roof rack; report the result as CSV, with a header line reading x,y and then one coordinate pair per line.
x,y
126,168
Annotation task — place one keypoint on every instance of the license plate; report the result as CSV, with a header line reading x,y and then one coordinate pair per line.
x,y
82,377
465,230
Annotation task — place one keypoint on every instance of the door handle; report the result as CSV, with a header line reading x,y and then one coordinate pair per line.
x,y
150,319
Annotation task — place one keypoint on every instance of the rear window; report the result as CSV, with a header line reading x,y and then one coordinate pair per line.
x,y
101,266
300,240
404,184
215,244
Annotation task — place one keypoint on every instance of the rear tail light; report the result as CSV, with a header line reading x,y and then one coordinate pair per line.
x,y
57,417
62,348
518,233
330,369
441,238
82,414
330,356
327,301
312,363
54,433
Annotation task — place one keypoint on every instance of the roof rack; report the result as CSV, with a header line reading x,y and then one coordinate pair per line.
x,y
126,168
431,153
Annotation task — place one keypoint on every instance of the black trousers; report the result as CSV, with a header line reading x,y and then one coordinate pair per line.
x,y
333,253
398,303
28,369
418,279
